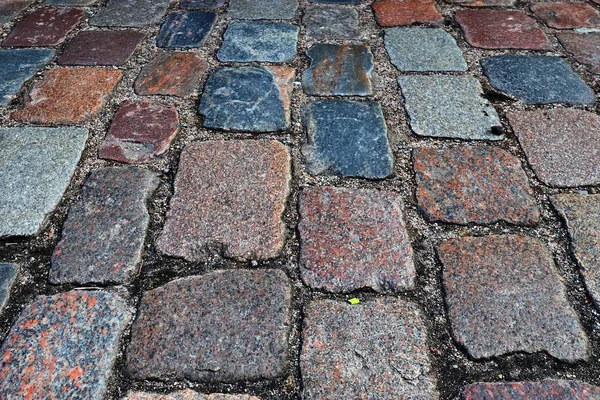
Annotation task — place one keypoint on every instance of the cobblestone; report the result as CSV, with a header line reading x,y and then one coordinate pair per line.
x,y
584,47
562,15
8,275
18,66
548,389
201,4
11,8
483,3
406,12
130,13
262,9
70,3
101,48
322,22
185,29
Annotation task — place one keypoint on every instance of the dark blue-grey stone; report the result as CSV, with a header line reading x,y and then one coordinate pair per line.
x,y
8,274
259,41
185,29
200,4
244,99
69,3
537,79
17,66
347,138
134,13
326,23
262,9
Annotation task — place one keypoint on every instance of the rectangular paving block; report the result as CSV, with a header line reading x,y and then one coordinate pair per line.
x,y
584,47
323,22
567,15
131,13
36,165
262,9
185,29
17,66
406,12
101,47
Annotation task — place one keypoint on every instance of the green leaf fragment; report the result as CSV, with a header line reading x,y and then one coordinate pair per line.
x,y
353,301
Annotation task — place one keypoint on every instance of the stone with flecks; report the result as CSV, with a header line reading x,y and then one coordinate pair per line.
x,y
17,66
64,346
495,282
501,29
11,8
563,15
223,326
483,3
68,96
562,145
262,9
101,47
338,70
200,4
131,13
187,395
248,98
585,47
70,3
185,29
548,389
236,190
465,184
376,349
140,131
337,1
322,22
406,12
109,221
171,74
449,106
347,138
8,275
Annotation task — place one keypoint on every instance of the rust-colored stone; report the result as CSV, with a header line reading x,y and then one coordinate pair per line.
x,y
171,74
483,3
584,47
46,26
561,15
405,12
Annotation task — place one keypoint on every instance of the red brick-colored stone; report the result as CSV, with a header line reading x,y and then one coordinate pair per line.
x,y
563,15
188,395
352,239
69,95
46,26
405,12
483,3
140,131
585,47
501,29
480,185
101,47
171,74
548,389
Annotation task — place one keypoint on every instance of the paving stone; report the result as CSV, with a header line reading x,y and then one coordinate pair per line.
x,y
251,99
504,295
582,215
449,106
109,221
338,70
265,41
36,165
537,79
131,13
185,29
221,326
501,29
562,15
585,48
423,49
200,4
8,275
325,23
337,1
262,9
187,395
548,389
373,350
18,66
9,9
140,131
406,12
562,145
236,191
466,184
64,346
46,26
171,74
70,3
483,3
101,48
68,96
347,138
353,239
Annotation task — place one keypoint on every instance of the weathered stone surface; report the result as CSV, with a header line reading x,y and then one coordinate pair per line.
x,y
483,3
103,236
18,66
337,1
70,3
322,22
140,131
495,282
584,47
101,48
423,49
262,9
68,96
171,74
11,8
582,215
188,395
184,29
46,26
347,138
252,99
133,13
373,350
200,4
537,79
501,29
8,275
36,165
236,191
562,145
405,12
563,15
64,346
221,326
353,239
465,184
548,389
267,41
338,70
449,106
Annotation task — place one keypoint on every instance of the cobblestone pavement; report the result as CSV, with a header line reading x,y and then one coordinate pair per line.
x,y
299,199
